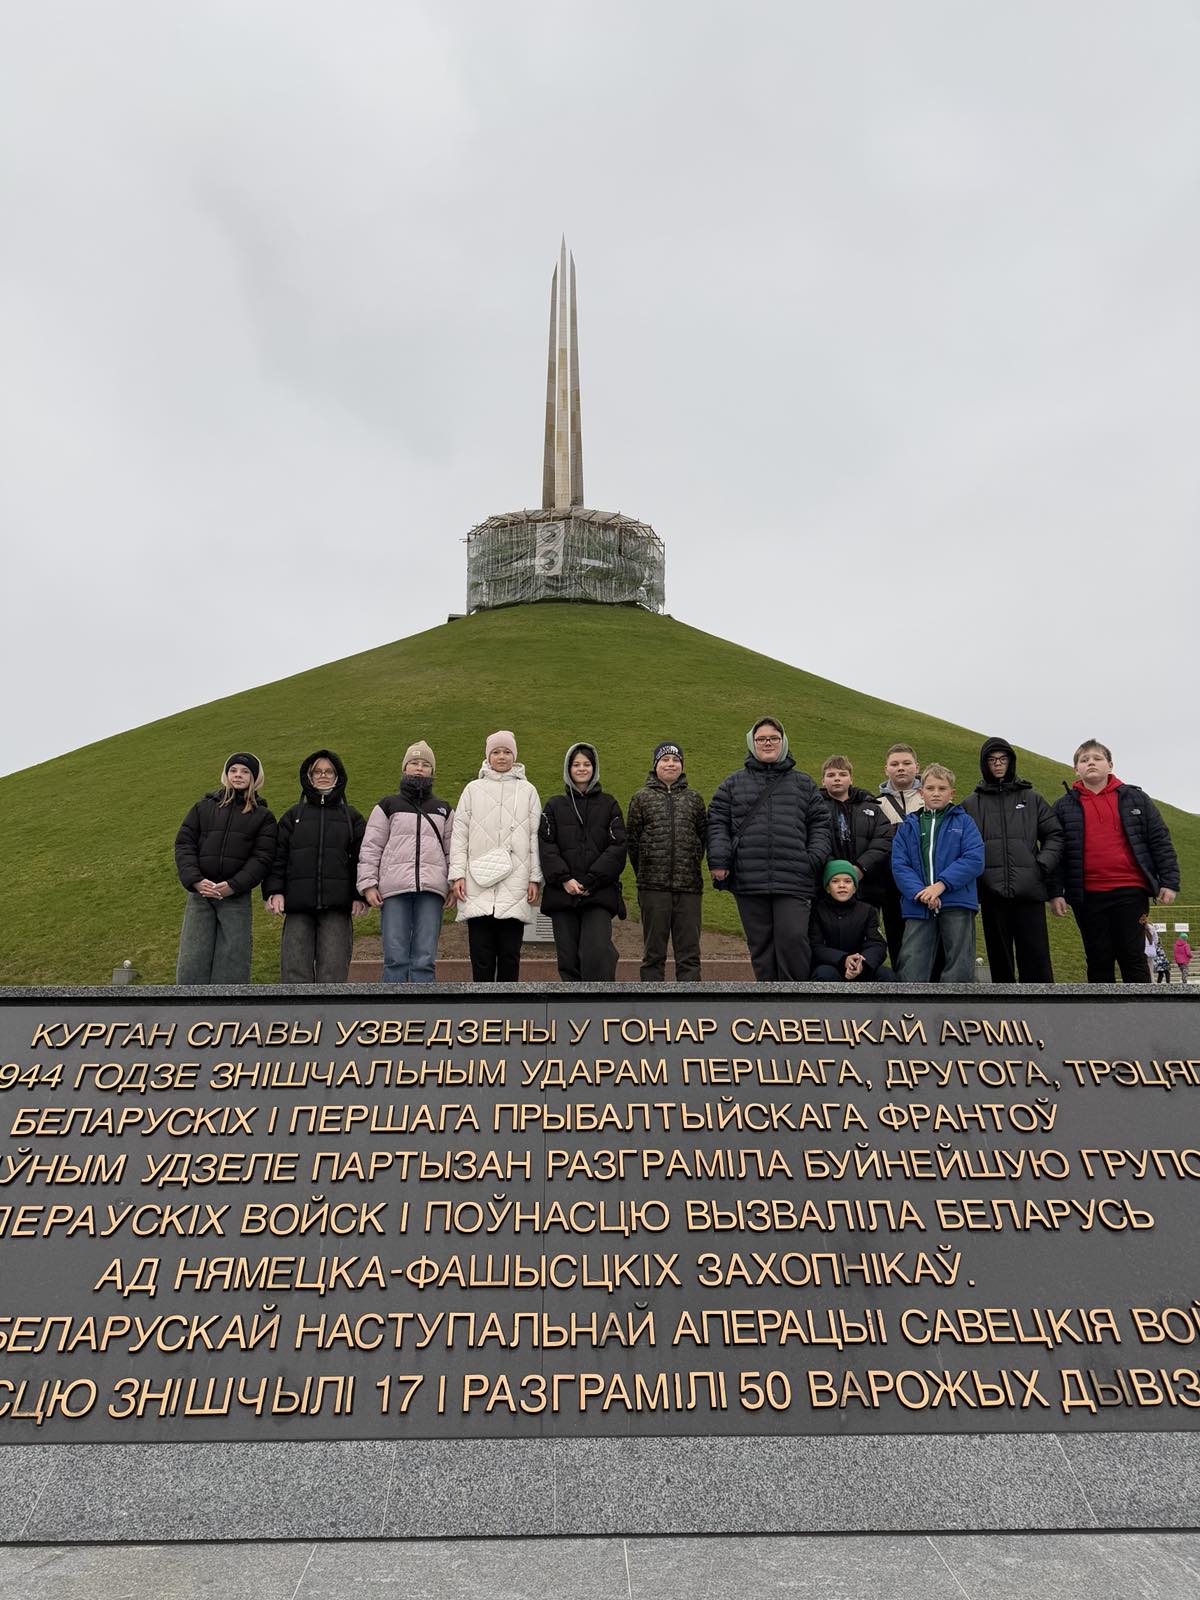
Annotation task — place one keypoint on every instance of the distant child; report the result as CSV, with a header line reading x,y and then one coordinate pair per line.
x,y
1183,956
847,945
224,848
1153,948
311,881
937,855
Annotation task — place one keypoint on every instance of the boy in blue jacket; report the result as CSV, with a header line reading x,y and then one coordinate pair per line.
x,y
937,855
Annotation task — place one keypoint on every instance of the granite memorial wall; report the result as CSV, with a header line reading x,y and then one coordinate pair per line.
x,y
530,1215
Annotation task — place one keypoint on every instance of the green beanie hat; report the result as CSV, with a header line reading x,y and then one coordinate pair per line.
x,y
832,868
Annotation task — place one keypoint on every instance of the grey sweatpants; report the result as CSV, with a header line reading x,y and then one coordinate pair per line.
x,y
316,947
215,940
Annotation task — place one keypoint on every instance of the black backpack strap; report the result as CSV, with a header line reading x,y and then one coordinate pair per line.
x,y
758,800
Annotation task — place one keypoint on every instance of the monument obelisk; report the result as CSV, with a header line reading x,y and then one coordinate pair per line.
x,y
562,550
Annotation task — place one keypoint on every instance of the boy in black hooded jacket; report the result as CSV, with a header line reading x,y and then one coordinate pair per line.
x,y
1022,847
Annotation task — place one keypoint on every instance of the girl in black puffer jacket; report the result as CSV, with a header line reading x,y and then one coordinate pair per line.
x,y
223,849
312,878
581,843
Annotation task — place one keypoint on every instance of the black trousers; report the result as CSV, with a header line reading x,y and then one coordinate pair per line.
x,y
893,921
1014,932
583,944
674,918
495,946
1112,935
776,927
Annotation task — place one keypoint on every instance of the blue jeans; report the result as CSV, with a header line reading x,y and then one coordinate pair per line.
x,y
954,929
411,925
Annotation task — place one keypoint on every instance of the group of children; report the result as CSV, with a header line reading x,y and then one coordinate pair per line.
x,y
812,867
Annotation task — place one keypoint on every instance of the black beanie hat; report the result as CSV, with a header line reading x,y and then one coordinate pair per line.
x,y
246,760
667,748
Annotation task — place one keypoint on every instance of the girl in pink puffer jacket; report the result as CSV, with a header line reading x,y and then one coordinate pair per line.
x,y
402,867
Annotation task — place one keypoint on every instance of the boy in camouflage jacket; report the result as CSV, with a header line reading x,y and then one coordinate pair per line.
x,y
665,833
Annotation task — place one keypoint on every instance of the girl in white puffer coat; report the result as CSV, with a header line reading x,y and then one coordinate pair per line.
x,y
496,836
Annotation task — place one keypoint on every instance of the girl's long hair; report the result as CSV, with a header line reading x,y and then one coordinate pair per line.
x,y
229,794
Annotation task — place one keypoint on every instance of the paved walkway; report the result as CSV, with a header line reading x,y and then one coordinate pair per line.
x,y
1063,1566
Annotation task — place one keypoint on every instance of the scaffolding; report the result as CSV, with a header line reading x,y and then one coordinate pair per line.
x,y
567,554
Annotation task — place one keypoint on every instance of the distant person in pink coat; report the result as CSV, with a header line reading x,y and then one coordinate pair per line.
x,y
1183,956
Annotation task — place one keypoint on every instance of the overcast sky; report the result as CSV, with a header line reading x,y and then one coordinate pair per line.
x,y
888,323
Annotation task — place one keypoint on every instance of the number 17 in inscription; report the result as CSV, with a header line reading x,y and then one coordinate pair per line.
x,y
406,1385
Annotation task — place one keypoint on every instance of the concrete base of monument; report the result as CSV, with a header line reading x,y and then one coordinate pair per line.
x,y
952,1566
490,1489
723,956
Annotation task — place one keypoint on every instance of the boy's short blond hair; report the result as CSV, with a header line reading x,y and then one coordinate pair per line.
x,y
836,763
936,770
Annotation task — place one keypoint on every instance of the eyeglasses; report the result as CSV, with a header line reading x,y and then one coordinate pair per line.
x,y
324,772
770,738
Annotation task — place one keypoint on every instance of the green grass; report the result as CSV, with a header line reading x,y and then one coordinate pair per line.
x,y
89,876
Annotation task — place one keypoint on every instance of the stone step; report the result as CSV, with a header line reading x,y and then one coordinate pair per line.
x,y
542,969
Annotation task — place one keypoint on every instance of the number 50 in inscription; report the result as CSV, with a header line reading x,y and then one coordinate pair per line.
x,y
774,1390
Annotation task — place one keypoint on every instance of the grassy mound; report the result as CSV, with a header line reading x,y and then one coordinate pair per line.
x,y
89,876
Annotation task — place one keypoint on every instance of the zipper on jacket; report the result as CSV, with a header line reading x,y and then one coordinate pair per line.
x,y
671,833
933,828
321,857
770,835
417,862
1008,881
225,841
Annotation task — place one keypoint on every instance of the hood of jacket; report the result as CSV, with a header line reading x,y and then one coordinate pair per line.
x,y
253,765
752,759
990,785
1082,789
515,775
888,787
308,789
589,751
